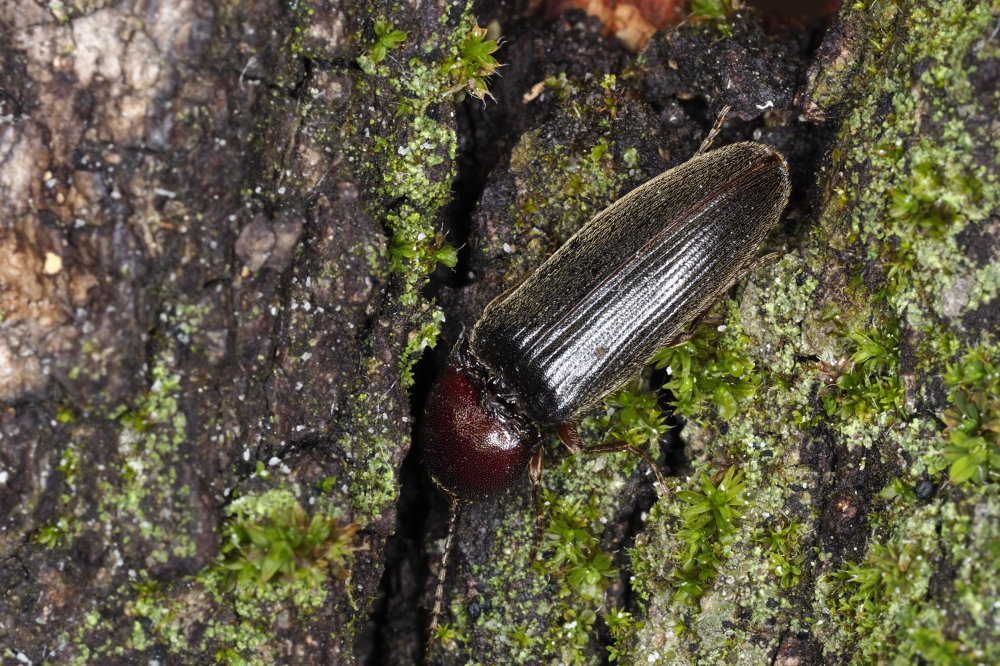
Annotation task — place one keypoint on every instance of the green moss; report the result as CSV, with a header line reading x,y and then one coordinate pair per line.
x,y
69,463
869,387
707,528
621,627
53,535
715,12
706,375
631,416
373,485
783,547
569,184
895,235
473,63
401,144
572,553
973,420
271,540
66,527
449,637
405,153
581,569
920,189
419,340
387,38
893,601
416,160
547,611
863,590
934,187
274,555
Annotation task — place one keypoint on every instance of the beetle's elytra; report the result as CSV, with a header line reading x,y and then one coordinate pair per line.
x,y
629,281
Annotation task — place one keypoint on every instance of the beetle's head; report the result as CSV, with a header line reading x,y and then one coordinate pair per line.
x,y
474,444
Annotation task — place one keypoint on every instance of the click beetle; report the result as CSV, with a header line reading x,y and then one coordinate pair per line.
x,y
631,280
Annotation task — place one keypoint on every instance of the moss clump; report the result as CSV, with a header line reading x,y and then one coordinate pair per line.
x,y
274,555
714,12
631,416
786,555
573,557
707,528
973,420
869,386
894,601
387,38
572,553
275,542
705,374
473,64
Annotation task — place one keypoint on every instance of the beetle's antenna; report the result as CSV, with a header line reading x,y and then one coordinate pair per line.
x,y
453,510
714,132
535,474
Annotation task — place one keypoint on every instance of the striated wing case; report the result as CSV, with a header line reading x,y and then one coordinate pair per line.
x,y
631,279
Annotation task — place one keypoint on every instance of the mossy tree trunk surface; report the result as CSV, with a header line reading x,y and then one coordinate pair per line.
x,y
217,222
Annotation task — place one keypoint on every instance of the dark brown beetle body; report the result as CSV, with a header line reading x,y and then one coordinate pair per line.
x,y
629,281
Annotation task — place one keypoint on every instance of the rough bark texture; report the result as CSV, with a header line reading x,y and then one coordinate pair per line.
x,y
216,223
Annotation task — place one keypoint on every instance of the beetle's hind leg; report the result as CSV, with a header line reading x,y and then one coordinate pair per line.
x,y
571,438
714,132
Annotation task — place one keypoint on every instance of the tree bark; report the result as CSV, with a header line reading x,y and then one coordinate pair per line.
x,y
217,226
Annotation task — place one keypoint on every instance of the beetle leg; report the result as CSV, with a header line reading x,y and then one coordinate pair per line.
x,y
714,132
757,263
453,510
571,438
535,475
686,334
